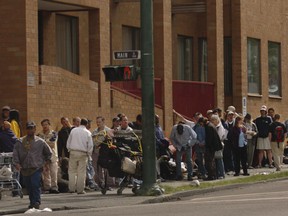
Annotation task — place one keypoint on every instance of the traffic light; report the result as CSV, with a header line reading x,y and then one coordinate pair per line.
x,y
120,73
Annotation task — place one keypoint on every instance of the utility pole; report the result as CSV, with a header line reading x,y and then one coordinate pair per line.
x,y
149,186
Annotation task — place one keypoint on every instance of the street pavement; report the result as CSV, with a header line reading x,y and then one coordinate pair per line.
x,y
94,199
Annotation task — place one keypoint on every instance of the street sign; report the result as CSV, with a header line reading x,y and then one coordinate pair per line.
x,y
127,55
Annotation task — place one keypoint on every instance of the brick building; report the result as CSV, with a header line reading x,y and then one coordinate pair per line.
x,y
207,53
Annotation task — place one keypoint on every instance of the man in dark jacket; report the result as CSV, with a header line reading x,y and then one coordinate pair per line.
x,y
63,135
7,138
212,144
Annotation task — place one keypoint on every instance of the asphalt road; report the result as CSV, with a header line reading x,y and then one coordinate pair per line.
x,y
254,200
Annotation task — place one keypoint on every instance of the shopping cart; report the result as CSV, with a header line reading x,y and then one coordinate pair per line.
x,y
9,176
121,157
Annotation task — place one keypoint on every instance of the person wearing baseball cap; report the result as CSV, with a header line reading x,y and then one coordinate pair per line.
x,y
5,113
30,154
263,142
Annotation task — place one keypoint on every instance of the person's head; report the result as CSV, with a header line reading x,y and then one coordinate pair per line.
x,y
45,123
88,126
14,115
218,111
201,121
115,122
215,120
65,122
100,122
196,116
30,128
247,118
263,110
6,125
238,121
124,122
180,128
157,120
139,119
84,122
209,114
277,117
76,121
5,112
271,112
230,116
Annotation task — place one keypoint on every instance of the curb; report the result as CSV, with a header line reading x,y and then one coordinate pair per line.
x,y
179,195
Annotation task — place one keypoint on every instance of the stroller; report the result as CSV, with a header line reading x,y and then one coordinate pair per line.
x,y
121,157
9,176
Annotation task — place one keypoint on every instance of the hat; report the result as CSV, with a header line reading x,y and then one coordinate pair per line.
x,y
231,108
264,108
230,112
6,108
209,111
30,124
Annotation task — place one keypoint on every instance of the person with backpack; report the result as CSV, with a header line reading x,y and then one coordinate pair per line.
x,y
277,134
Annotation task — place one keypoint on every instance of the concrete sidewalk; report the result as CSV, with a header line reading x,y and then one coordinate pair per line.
x,y
57,202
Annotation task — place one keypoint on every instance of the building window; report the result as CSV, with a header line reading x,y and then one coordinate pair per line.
x,y
67,43
185,58
228,80
131,41
203,67
274,64
253,66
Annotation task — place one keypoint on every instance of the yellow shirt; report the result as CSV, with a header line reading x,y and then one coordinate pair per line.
x,y
15,128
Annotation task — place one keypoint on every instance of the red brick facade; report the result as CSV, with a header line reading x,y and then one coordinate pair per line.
x,y
48,91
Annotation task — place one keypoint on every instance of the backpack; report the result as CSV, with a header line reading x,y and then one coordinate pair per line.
x,y
279,134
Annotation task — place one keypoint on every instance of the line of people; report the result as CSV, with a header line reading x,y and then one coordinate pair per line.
x,y
66,161
222,146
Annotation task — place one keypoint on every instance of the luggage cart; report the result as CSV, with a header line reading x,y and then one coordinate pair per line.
x,y
9,179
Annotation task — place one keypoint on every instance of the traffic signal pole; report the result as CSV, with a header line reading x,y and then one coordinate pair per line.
x,y
149,186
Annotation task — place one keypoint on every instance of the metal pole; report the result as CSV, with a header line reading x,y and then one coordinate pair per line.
x,y
149,186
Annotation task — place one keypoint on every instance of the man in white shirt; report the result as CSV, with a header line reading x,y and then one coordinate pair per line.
x,y
80,146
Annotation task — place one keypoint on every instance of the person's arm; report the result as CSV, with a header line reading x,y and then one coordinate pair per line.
x,y
16,159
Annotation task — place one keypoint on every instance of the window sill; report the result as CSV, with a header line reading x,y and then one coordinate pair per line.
x,y
275,97
255,95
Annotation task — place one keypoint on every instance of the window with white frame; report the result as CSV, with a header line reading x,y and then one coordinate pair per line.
x,y
274,65
253,66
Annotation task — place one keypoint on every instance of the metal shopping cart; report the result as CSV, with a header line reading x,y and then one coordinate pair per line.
x,y
9,176
121,157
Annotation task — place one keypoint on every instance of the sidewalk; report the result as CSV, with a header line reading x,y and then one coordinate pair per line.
x,y
57,202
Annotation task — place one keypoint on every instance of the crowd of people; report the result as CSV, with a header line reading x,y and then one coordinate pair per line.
x,y
66,160
225,144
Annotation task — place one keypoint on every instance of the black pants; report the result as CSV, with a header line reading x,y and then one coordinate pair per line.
x,y
228,157
210,163
240,155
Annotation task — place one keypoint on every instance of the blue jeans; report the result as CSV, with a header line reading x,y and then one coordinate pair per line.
x,y
90,172
219,168
188,152
33,185
200,151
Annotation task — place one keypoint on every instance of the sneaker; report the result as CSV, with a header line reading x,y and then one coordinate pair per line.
x,y
190,178
82,192
278,169
35,205
236,174
52,191
246,174
179,178
271,166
